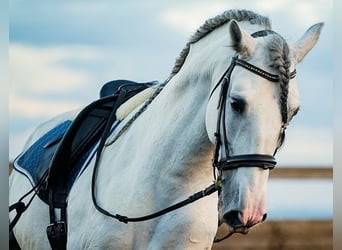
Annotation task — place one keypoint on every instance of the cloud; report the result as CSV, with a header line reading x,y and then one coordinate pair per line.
x,y
307,146
46,81
42,70
179,19
29,107
288,14
85,22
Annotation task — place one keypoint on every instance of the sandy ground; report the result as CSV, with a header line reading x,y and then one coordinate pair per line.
x,y
283,235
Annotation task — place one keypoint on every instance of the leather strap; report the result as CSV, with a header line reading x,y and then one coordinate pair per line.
x,y
258,71
262,33
261,72
247,160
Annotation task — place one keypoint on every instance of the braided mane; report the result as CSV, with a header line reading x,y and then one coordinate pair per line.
x,y
279,53
215,22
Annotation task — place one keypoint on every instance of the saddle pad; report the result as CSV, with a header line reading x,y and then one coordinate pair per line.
x,y
35,161
28,162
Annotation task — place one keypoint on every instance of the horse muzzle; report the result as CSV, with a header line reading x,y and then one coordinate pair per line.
x,y
238,224
245,207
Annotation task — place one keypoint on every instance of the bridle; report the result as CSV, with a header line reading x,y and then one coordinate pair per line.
x,y
224,163
228,162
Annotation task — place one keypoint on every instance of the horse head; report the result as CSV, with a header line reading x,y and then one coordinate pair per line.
x,y
246,118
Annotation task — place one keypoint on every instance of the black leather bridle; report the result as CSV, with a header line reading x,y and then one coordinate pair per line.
x,y
221,164
263,161
228,162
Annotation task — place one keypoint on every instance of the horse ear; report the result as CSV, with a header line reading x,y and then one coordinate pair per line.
x,y
307,42
242,42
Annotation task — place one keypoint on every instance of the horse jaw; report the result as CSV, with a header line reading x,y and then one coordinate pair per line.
x,y
306,42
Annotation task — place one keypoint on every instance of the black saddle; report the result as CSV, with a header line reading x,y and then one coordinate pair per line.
x,y
58,156
85,131
65,147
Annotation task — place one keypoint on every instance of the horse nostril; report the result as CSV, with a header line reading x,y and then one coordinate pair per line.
x,y
264,217
233,219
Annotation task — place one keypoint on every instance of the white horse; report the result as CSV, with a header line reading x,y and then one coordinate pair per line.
x,y
165,155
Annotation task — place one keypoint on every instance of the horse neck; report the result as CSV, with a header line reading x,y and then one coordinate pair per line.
x,y
176,134
172,129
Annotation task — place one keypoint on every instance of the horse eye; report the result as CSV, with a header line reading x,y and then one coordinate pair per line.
x,y
237,105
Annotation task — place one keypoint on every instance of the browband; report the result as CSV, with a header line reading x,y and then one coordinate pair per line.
x,y
253,69
261,72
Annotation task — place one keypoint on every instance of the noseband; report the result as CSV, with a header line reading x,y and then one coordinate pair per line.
x,y
228,162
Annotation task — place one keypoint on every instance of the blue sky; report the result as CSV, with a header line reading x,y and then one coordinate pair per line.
x,y
61,52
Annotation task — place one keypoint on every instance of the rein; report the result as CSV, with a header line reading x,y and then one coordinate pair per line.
x,y
227,163
208,191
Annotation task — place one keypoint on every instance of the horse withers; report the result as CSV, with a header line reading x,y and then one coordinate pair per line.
x,y
227,103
